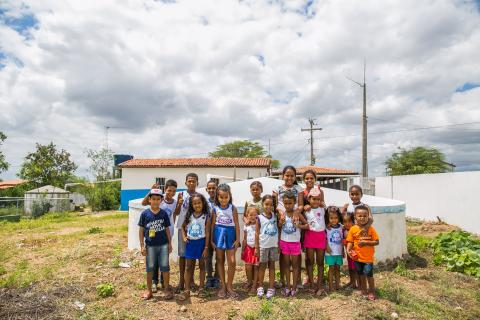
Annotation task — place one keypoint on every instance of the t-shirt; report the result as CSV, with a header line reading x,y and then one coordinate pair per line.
x,y
154,225
183,209
351,207
268,235
365,253
335,240
223,216
196,227
211,204
250,229
290,233
257,204
169,208
316,219
296,189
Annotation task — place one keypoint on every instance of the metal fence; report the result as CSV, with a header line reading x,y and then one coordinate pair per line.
x,y
32,207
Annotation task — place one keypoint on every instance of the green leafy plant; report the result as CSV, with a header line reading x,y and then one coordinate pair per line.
x,y
417,244
402,270
459,251
105,290
94,230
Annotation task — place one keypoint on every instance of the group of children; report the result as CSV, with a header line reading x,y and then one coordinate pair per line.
x,y
277,227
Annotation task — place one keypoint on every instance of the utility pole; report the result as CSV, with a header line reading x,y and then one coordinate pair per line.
x,y
364,123
269,146
107,128
311,129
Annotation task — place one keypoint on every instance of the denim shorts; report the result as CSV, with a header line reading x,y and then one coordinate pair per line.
x,y
157,256
364,268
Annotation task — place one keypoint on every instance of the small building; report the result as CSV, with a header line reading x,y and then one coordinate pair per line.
x,y
332,178
11,183
47,199
138,175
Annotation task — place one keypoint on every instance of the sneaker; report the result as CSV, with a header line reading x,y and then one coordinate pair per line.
x,y
209,283
154,288
216,283
260,292
270,293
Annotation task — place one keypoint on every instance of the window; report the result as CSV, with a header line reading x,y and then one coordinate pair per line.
x,y
161,183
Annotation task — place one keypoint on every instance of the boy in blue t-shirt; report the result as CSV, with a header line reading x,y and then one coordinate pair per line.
x,y
156,242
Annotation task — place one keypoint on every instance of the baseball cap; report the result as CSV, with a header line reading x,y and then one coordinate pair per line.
x,y
157,192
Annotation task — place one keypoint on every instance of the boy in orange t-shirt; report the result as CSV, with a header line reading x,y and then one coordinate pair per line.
x,y
361,248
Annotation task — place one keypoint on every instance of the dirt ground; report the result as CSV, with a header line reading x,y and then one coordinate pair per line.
x,y
50,268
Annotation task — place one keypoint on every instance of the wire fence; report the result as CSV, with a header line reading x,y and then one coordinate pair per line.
x,y
32,207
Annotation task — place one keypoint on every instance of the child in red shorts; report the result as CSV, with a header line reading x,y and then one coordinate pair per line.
x,y
248,248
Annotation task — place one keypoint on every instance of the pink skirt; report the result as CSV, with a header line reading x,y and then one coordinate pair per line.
x,y
290,248
315,240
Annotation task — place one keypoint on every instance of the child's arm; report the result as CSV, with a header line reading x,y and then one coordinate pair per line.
x,y
178,208
236,244
344,208
212,230
257,238
368,243
244,241
141,237
349,248
146,200
244,213
169,237
303,225
207,238
184,231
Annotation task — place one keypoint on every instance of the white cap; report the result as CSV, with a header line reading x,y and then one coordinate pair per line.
x,y
157,192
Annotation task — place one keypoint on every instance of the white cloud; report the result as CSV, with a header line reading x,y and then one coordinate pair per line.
x,y
179,78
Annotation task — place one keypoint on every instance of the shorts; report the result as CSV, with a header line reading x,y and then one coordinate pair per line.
x,y
224,237
351,264
364,268
194,249
269,254
334,260
248,256
181,244
315,240
157,256
291,248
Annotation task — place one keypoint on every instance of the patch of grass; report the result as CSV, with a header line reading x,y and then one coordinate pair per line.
x,y
2,270
417,244
231,314
94,230
141,286
105,290
277,308
20,277
401,269
105,313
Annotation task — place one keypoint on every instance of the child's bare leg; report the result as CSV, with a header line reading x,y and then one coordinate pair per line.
x,y
320,260
371,285
286,270
296,265
220,257
330,277
271,275
201,265
261,273
149,282
337,277
249,272
181,266
282,269
353,279
231,269
190,266
255,279
309,260
363,284
166,280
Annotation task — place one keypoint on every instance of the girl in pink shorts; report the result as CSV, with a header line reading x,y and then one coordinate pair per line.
x,y
315,240
290,243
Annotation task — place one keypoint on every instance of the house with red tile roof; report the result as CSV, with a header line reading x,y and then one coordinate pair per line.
x,y
138,175
326,177
11,183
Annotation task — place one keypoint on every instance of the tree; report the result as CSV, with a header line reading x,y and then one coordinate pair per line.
x,y
239,149
416,161
102,162
47,165
3,163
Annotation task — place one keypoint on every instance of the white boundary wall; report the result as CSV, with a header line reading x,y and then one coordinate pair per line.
x,y
453,197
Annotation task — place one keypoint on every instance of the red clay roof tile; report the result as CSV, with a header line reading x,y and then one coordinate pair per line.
x,y
197,162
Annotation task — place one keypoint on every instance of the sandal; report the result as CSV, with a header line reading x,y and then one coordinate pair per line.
x,y
371,297
168,295
286,292
270,293
194,287
179,289
183,296
222,294
293,293
260,292
202,293
147,295
247,286
321,292
233,295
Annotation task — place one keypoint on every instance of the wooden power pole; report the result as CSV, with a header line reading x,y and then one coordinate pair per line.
x,y
311,129
364,124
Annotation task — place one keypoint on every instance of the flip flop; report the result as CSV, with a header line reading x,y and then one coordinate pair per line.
x,y
178,289
222,294
183,296
147,296
371,297
168,295
233,295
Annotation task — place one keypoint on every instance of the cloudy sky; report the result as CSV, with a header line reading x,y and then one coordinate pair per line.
x,y
177,78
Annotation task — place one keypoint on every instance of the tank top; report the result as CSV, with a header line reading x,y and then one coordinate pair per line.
x,y
290,233
335,240
250,229
351,207
316,219
224,217
268,235
196,227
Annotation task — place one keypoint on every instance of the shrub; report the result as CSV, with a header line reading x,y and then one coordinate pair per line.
x,y
459,251
417,244
104,196
94,230
105,290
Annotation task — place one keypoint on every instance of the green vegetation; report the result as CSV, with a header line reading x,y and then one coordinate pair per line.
x,y
459,251
417,244
105,290
416,161
401,269
94,230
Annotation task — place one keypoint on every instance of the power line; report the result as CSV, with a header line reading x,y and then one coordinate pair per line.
x,y
311,129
